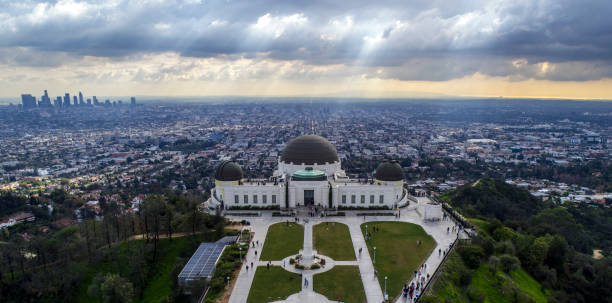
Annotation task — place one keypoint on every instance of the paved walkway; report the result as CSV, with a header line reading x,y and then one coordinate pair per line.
x,y
245,278
373,291
371,286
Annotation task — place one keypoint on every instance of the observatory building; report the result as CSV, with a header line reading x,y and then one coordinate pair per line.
x,y
308,174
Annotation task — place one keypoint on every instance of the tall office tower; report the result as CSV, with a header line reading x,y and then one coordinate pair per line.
x,y
44,100
75,100
88,101
81,101
58,102
133,101
66,100
28,101
95,100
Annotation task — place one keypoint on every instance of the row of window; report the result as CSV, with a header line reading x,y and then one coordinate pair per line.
x,y
381,199
264,199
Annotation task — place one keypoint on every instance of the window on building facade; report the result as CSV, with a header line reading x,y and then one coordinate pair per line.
x,y
236,199
353,199
382,199
343,199
362,199
371,199
254,199
246,199
264,199
273,199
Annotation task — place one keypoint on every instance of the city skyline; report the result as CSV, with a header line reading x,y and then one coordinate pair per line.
x,y
29,101
519,49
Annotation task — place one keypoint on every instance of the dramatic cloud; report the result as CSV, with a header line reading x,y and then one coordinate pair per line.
x,y
559,40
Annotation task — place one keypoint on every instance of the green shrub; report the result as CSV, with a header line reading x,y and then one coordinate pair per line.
x,y
291,261
494,263
463,276
471,255
315,266
505,247
486,242
299,266
475,294
509,263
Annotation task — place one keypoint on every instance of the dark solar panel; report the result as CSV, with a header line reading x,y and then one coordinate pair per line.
x,y
202,263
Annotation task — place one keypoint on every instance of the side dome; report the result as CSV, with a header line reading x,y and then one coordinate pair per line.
x,y
309,150
228,171
389,171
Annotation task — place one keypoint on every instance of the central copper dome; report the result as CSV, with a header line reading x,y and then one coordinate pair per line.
x,y
309,150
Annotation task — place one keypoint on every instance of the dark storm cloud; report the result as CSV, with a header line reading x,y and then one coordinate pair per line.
x,y
412,40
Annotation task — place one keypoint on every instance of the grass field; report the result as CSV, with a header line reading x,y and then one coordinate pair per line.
x,y
273,284
282,241
480,224
492,287
341,281
397,253
334,241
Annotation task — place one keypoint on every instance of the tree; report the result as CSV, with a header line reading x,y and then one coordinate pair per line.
x,y
557,253
494,263
536,253
471,255
111,288
509,263
153,209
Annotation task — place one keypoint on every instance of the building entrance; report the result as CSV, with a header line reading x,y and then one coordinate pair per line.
x,y
308,197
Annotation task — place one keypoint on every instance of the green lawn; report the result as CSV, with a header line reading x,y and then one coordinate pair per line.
x,y
273,284
500,287
333,240
492,287
397,253
282,241
480,224
343,281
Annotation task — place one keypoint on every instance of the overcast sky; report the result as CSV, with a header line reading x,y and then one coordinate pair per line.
x,y
403,48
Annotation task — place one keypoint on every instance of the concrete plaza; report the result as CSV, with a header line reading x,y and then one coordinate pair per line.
x,y
412,214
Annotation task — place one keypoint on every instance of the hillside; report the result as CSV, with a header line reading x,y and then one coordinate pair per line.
x,y
526,250
495,199
458,284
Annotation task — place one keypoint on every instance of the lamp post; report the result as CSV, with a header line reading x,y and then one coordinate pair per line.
x,y
228,289
385,287
366,232
374,255
240,248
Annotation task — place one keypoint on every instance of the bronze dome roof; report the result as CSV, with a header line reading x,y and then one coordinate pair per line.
x,y
389,171
309,150
228,171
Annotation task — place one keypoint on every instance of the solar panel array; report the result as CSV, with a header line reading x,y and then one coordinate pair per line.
x,y
202,263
